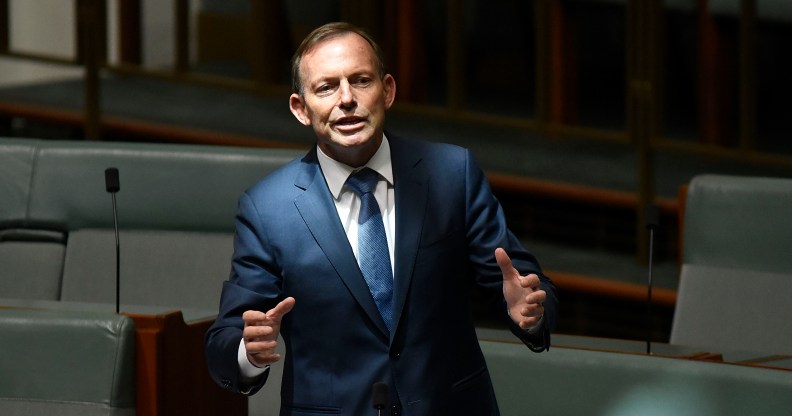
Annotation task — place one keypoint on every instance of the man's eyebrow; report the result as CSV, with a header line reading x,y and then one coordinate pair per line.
x,y
323,80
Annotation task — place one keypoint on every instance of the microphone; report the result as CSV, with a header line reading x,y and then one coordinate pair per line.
x,y
379,396
652,222
112,185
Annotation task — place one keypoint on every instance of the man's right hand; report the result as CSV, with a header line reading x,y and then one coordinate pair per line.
x,y
261,333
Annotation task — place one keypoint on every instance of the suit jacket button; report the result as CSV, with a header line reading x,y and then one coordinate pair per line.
x,y
395,355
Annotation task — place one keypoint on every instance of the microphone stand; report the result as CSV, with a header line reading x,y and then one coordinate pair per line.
x,y
652,220
113,186
118,255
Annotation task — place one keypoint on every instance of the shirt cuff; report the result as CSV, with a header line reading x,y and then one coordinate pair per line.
x,y
247,370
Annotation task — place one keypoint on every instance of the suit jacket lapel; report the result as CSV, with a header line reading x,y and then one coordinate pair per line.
x,y
411,187
319,213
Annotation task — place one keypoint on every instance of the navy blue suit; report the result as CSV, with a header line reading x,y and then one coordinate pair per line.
x,y
290,242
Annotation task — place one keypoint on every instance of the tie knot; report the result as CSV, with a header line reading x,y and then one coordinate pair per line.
x,y
363,181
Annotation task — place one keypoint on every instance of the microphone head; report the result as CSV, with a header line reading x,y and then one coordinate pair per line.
x,y
379,395
111,180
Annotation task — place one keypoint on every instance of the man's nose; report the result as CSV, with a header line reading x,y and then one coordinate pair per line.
x,y
346,98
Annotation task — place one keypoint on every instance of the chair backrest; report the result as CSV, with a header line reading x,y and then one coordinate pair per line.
x,y
176,209
66,363
567,381
179,269
736,277
19,276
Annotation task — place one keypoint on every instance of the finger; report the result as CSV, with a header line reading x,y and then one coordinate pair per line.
x,y
285,306
529,322
532,310
261,347
530,281
261,360
505,264
252,318
537,297
257,332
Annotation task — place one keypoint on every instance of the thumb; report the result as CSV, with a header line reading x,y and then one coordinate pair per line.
x,y
285,306
505,264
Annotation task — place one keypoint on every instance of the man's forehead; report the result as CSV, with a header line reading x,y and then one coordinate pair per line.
x,y
342,47
340,40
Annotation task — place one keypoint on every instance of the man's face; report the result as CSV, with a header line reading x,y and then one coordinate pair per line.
x,y
344,99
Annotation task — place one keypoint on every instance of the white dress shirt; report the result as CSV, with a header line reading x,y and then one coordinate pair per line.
x,y
348,203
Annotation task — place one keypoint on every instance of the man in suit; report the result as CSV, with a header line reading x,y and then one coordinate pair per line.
x,y
351,312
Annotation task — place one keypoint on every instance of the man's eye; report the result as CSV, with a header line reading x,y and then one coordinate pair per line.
x,y
362,81
325,89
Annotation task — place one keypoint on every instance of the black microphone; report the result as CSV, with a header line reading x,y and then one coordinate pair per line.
x,y
111,180
652,222
112,185
379,396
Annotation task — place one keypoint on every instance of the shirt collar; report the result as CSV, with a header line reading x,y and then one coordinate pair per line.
x,y
336,173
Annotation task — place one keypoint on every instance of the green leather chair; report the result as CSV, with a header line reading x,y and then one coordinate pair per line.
x,y
574,382
66,363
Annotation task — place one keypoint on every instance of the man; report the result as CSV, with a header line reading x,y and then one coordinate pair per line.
x,y
350,312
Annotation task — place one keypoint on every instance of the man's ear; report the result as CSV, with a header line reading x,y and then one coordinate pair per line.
x,y
297,107
389,85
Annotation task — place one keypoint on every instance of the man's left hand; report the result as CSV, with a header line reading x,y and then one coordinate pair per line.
x,y
524,299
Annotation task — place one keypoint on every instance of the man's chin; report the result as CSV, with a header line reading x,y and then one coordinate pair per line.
x,y
358,138
350,149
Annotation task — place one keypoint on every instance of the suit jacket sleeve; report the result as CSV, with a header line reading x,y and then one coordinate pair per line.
x,y
487,230
252,286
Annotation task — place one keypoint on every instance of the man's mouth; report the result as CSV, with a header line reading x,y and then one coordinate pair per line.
x,y
348,122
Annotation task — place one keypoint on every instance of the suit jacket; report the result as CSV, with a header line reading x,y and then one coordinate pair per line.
x,y
290,242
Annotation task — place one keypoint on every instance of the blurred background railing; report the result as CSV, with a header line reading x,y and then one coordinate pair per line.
x,y
706,73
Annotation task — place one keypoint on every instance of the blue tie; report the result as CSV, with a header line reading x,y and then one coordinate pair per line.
x,y
373,254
